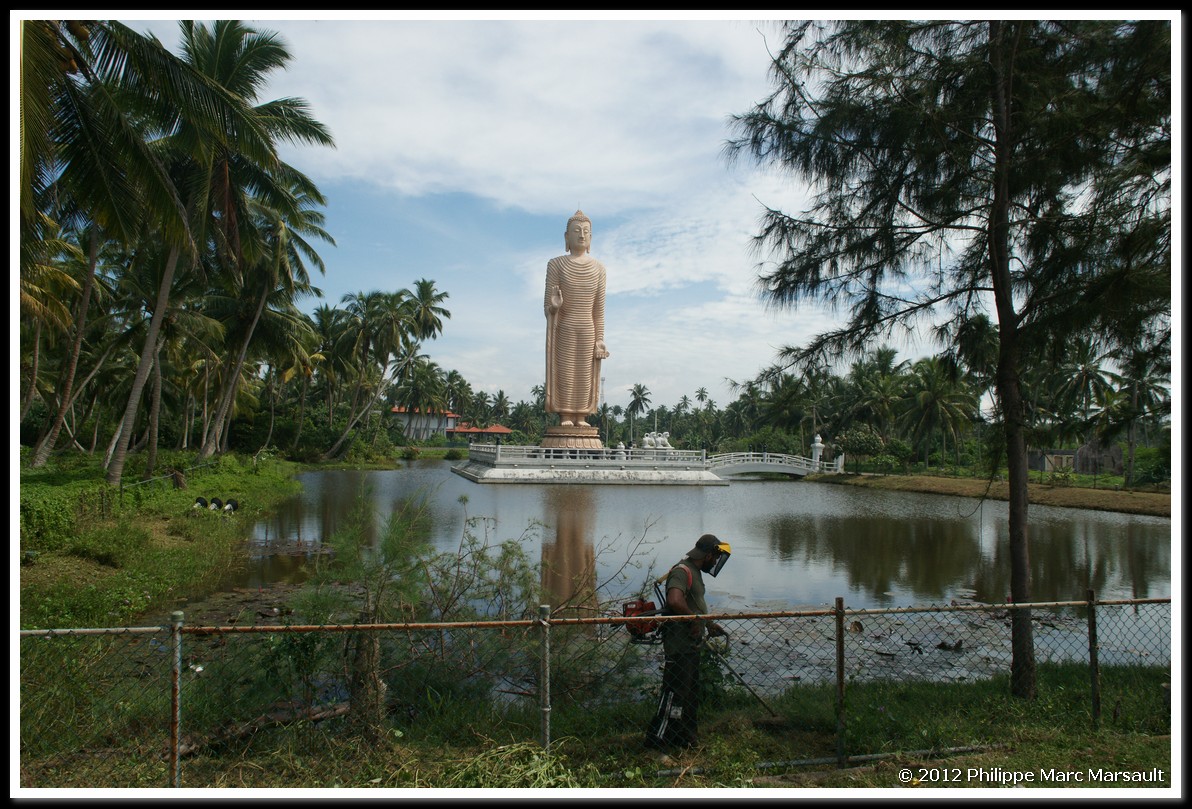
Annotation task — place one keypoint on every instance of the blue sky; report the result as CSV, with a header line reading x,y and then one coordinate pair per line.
x,y
463,147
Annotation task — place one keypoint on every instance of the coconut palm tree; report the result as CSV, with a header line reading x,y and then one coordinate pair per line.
x,y
81,140
459,392
422,392
427,312
273,271
639,400
1082,380
331,324
479,409
500,405
386,348
936,404
217,158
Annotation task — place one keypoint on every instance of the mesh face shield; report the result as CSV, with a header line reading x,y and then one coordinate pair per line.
x,y
721,560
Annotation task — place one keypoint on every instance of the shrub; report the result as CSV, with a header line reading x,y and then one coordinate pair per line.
x,y
112,546
1152,465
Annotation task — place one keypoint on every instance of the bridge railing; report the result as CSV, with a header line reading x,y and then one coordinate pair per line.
x,y
776,458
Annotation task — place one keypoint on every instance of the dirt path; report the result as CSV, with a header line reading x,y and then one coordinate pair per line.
x,y
1155,504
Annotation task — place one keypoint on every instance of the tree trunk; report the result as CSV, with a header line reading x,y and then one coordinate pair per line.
x,y
120,452
154,415
352,422
47,445
366,688
301,412
1022,667
95,430
27,401
272,410
206,403
224,414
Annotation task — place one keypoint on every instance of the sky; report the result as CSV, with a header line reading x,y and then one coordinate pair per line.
x,y
463,146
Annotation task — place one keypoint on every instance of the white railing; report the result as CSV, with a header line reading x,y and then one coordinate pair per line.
x,y
762,458
503,454
512,455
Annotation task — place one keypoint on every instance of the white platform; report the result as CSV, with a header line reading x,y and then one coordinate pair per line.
x,y
488,463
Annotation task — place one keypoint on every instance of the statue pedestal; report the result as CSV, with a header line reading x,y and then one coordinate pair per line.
x,y
579,436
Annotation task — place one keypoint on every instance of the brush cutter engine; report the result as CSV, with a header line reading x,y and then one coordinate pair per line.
x,y
642,631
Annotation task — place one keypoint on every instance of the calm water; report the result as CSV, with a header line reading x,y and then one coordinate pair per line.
x,y
795,544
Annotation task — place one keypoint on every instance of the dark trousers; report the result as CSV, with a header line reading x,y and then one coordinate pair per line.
x,y
675,724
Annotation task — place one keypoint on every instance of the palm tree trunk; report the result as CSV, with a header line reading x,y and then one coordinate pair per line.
x,y
27,401
120,452
223,414
154,415
352,422
98,411
381,385
301,412
206,402
272,410
111,449
47,445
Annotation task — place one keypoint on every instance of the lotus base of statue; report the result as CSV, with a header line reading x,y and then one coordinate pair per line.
x,y
576,436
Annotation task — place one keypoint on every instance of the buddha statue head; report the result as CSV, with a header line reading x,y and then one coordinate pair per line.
x,y
578,236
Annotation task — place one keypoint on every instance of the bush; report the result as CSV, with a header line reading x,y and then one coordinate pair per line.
x,y
765,440
1152,465
112,546
50,515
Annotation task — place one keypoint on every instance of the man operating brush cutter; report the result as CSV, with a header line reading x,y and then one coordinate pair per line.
x,y
675,723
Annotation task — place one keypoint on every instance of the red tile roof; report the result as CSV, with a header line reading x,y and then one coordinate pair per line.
x,y
493,429
445,414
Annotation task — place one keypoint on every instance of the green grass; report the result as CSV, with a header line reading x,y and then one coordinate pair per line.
x,y
468,743
94,712
96,555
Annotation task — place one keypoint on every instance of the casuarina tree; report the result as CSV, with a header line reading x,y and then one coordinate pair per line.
x,y
1016,170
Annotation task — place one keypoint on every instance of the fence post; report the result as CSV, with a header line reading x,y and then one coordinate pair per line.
x,y
1094,664
544,675
175,697
840,681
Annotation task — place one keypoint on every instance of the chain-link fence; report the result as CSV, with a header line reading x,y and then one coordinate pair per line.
x,y
182,705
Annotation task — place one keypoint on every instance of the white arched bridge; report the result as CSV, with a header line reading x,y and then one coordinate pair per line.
x,y
746,463
496,463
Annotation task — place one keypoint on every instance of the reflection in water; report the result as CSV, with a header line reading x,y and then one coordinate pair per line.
x,y
794,543
569,559
881,557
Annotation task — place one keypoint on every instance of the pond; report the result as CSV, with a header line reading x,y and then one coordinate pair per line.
x,y
795,544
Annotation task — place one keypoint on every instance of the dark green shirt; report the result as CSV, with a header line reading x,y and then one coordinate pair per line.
x,y
685,576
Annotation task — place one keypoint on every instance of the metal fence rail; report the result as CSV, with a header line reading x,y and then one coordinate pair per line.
x,y
130,707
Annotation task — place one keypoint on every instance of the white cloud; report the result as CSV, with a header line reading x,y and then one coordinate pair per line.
x,y
626,120
535,115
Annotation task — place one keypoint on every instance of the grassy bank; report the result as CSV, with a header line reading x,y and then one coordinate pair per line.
x,y
1156,504
94,555
93,558
973,725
